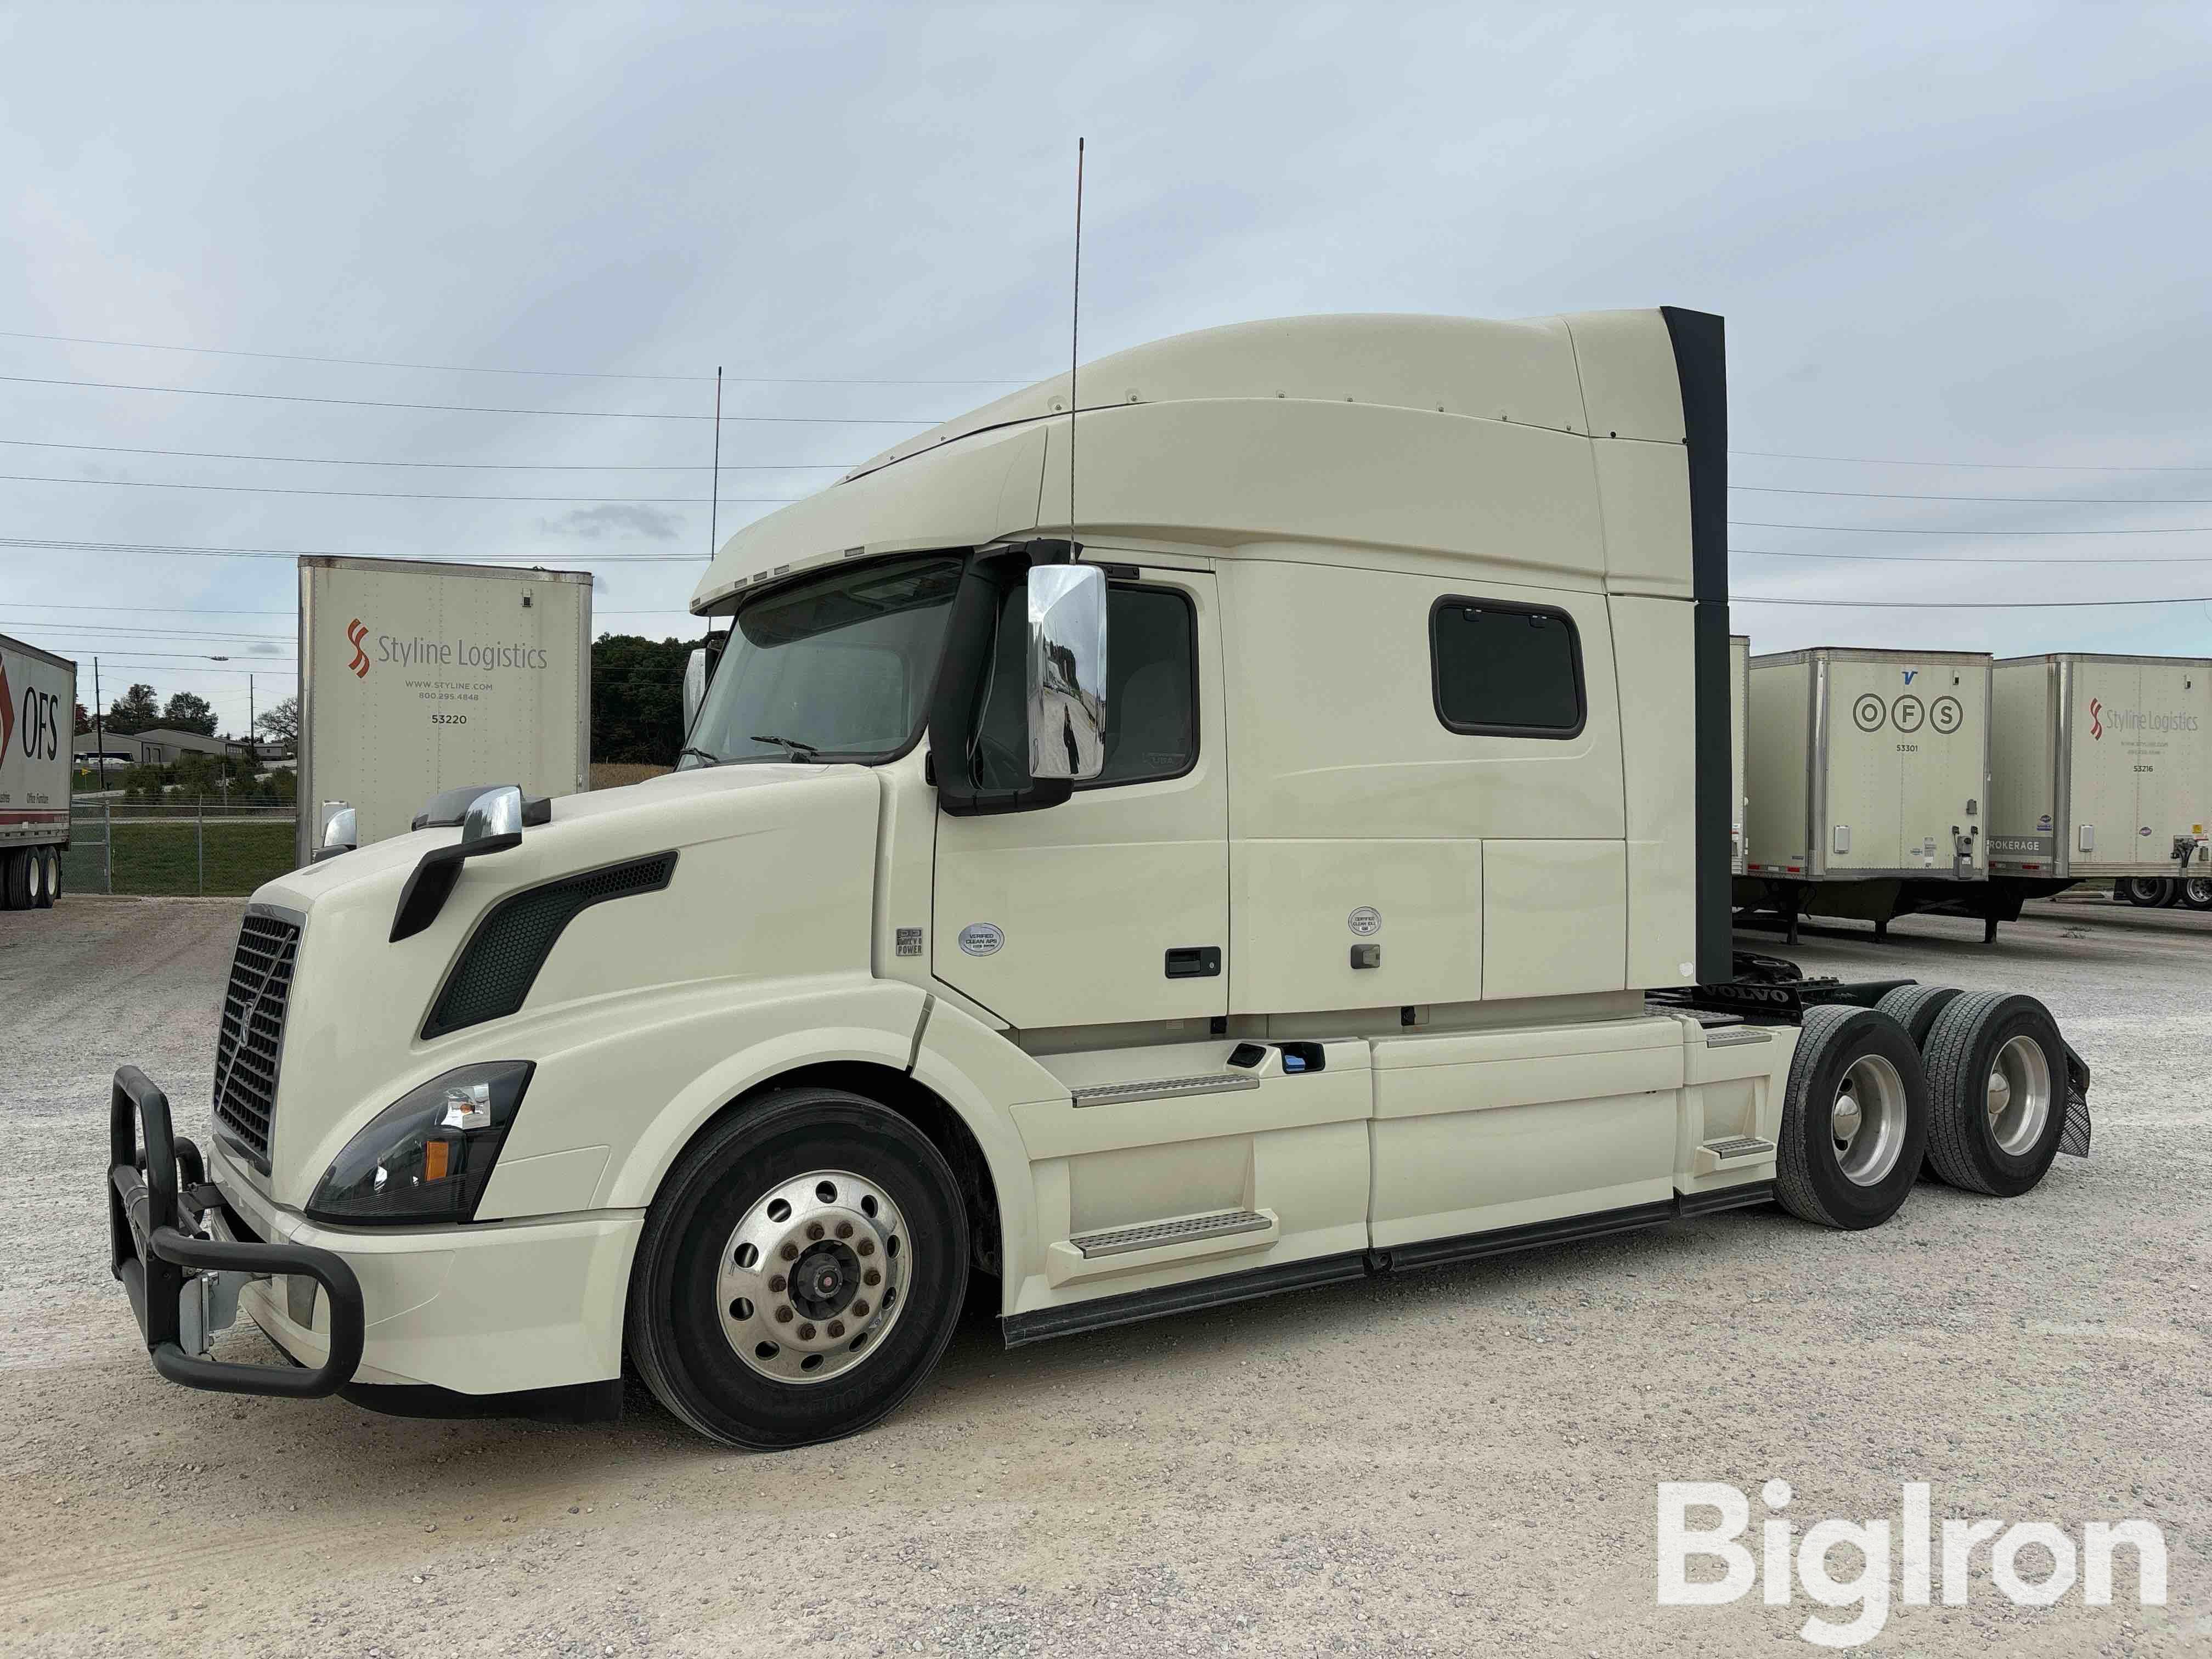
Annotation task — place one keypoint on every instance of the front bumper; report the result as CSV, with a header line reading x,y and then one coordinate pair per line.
x,y
176,1278
488,1309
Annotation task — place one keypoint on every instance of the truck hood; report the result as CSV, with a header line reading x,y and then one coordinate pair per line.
x,y
773,875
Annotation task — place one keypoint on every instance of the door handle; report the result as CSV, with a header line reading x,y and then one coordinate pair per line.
x,y
1195,962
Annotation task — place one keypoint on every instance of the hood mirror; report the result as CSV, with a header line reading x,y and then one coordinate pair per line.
x,y
341,832
494,812
1067,671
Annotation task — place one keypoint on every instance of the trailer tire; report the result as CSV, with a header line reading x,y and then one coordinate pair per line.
x,y
1854,1119
2197,892
51,888
1997,1070
1914,1008
748,1358
15,878
2149,892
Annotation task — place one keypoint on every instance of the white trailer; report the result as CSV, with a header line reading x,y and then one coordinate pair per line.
x,y
1297,854
2103,769
37,726
420,678
1739,720
1868,777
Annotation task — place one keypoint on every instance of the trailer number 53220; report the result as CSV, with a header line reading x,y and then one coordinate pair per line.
x,y
449,720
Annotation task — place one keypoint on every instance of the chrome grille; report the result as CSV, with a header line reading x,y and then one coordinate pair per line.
x,y
252,1035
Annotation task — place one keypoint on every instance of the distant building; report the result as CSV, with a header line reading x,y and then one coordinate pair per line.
x,y
158,747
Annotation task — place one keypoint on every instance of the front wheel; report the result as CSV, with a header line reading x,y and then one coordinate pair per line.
x,y
800,1271
1854,1119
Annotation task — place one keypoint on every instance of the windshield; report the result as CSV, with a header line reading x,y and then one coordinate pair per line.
x,y
834,667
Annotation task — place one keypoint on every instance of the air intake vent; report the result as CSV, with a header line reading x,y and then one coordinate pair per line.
x,y
501,961
251,1038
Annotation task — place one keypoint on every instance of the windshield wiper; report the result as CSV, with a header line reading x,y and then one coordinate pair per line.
x,y
799,750
707,755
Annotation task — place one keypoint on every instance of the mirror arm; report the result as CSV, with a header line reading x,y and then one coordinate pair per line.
x,y
430,884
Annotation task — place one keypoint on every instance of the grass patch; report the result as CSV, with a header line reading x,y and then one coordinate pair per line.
x,y
161,859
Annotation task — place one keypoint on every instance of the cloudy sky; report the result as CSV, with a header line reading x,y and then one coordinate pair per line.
x,y
1969,256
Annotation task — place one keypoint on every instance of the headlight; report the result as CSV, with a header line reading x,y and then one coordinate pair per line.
x,y
428,1155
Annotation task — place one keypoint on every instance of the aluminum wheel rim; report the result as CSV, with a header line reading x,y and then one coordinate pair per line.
x,y
2197,890
1866,1120
2019,1098
37,873
813,1277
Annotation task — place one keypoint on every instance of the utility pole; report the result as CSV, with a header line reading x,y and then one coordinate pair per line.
x,y
714,492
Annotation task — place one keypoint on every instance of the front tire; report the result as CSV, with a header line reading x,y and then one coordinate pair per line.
x,y
2149,892
1997,1071
800,1271
1854,1119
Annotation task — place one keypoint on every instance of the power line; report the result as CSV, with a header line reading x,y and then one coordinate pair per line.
x,y
224,611
469,466
401,494
2001,466
474,369
1902,530
1995,564
1966,604
2032,501
526,560
470,409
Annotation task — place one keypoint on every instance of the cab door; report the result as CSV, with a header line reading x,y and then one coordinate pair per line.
x,y
1112,906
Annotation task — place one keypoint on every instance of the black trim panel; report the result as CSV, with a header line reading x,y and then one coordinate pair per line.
x,y
1700,342
1725,1198
1045,1324
1502,1241
499,962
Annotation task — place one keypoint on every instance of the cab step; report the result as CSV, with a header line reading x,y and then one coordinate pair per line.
x,y
1166,1088
1735,1152
1122,1240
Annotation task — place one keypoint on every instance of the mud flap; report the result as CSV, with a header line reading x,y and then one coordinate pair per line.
x,y
2074,1139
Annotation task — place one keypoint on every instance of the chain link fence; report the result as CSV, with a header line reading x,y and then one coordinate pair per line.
x,y
199,848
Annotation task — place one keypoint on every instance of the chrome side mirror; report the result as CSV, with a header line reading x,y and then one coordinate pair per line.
x,y
494,812
695,686
341,832
1067,671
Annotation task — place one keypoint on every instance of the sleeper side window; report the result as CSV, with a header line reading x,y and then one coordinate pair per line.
x,y
1504,670
1152,692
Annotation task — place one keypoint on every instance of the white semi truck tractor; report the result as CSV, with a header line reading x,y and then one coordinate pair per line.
x,y
1275,835
37,726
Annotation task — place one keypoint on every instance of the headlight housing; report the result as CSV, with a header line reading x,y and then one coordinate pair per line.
x,y
427,1156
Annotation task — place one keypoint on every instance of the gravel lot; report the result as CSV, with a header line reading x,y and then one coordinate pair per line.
x,y
1458,1461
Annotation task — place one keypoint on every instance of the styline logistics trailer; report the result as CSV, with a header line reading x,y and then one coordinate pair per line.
x,y
37,726
420,677
1297,852
2102,767
1868,777
1739,738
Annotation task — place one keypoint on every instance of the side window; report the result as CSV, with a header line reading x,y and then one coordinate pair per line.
x,y
1505,670
1152,692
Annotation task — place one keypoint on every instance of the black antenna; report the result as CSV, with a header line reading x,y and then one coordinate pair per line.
x,y
1074,338
714,496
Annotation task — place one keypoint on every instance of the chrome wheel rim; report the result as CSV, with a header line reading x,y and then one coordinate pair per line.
x,y
2197,892
2019,1094
1866,1120
813,1277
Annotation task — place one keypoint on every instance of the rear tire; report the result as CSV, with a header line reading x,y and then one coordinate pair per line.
x,y
2197,893
15,878
1914,1008
752,1316
1854,1119
2148,891
1996,1070
53,877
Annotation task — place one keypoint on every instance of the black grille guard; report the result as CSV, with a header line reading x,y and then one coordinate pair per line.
x,y
151,1254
